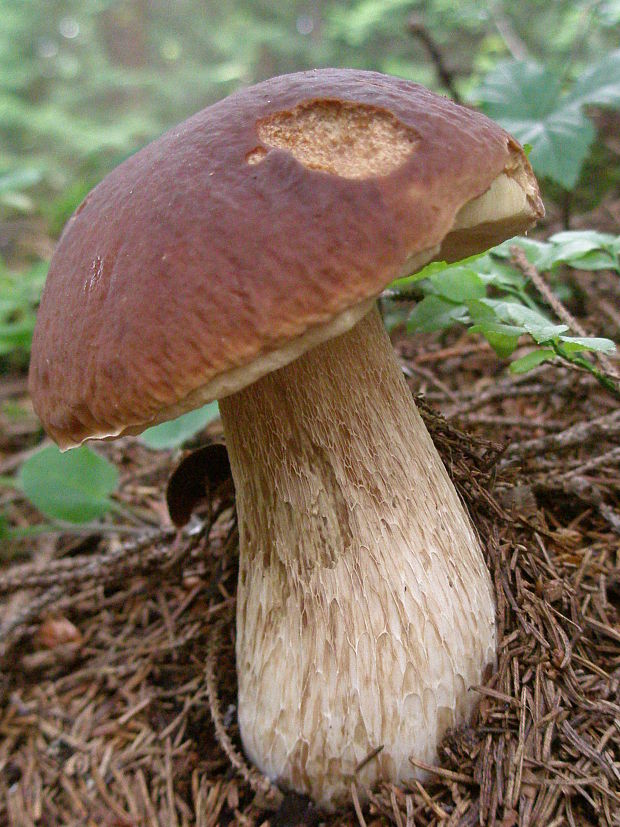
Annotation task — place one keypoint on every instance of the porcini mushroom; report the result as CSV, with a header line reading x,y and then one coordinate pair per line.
x,y
239,257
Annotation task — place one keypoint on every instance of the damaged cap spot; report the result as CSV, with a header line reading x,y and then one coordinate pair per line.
x,y
256,155
351,140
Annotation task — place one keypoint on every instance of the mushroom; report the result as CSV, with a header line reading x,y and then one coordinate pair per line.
x,y
239,257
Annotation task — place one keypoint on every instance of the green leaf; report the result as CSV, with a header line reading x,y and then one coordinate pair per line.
x,y
586,240
599,84
528,320
174,433
430,270
17,335
536,252
435,313
502,338
74,486
596,260
526,99
576,343
19,179
496,272
404,282
585,249
458,284
532,360
481,311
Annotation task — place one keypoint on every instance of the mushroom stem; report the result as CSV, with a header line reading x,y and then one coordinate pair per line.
x,y
365,610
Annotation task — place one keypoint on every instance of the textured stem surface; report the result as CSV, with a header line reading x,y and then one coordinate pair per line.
x,y
365,609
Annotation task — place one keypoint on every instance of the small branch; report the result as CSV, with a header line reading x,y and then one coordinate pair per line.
x,y
511,386
357,807
371,755
458,351
514,44
609,457
418,30
111,565
529,271
412,369
156,549
256,780
512,422
25,615
522,263
604,426
458,777
609,310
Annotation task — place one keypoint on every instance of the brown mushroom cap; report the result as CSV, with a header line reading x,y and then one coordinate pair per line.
x,y
249,226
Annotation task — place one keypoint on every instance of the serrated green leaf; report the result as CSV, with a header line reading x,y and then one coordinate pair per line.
x,y
74,486
534,90
458,284
174,433
435,313
526,99
532,360
577,343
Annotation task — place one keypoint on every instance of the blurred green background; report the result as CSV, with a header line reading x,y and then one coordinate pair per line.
x,y
83,83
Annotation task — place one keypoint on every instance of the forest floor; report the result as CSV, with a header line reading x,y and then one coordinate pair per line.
x,y
117,682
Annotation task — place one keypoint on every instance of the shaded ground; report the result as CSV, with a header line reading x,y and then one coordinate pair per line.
x,y
117,646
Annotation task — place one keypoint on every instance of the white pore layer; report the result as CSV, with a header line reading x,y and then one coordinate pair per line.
x,y
365,609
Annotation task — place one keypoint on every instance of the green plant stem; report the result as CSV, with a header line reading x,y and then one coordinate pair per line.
x,y
602,378
528,301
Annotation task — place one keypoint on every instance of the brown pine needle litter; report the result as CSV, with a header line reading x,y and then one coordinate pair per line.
x,y
128,719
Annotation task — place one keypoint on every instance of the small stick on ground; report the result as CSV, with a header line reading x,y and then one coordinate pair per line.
x,y
356,806
603,426
441,772
256,780
368,758
25,615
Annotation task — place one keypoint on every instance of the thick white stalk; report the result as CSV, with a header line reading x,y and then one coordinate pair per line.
x,y
365,609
